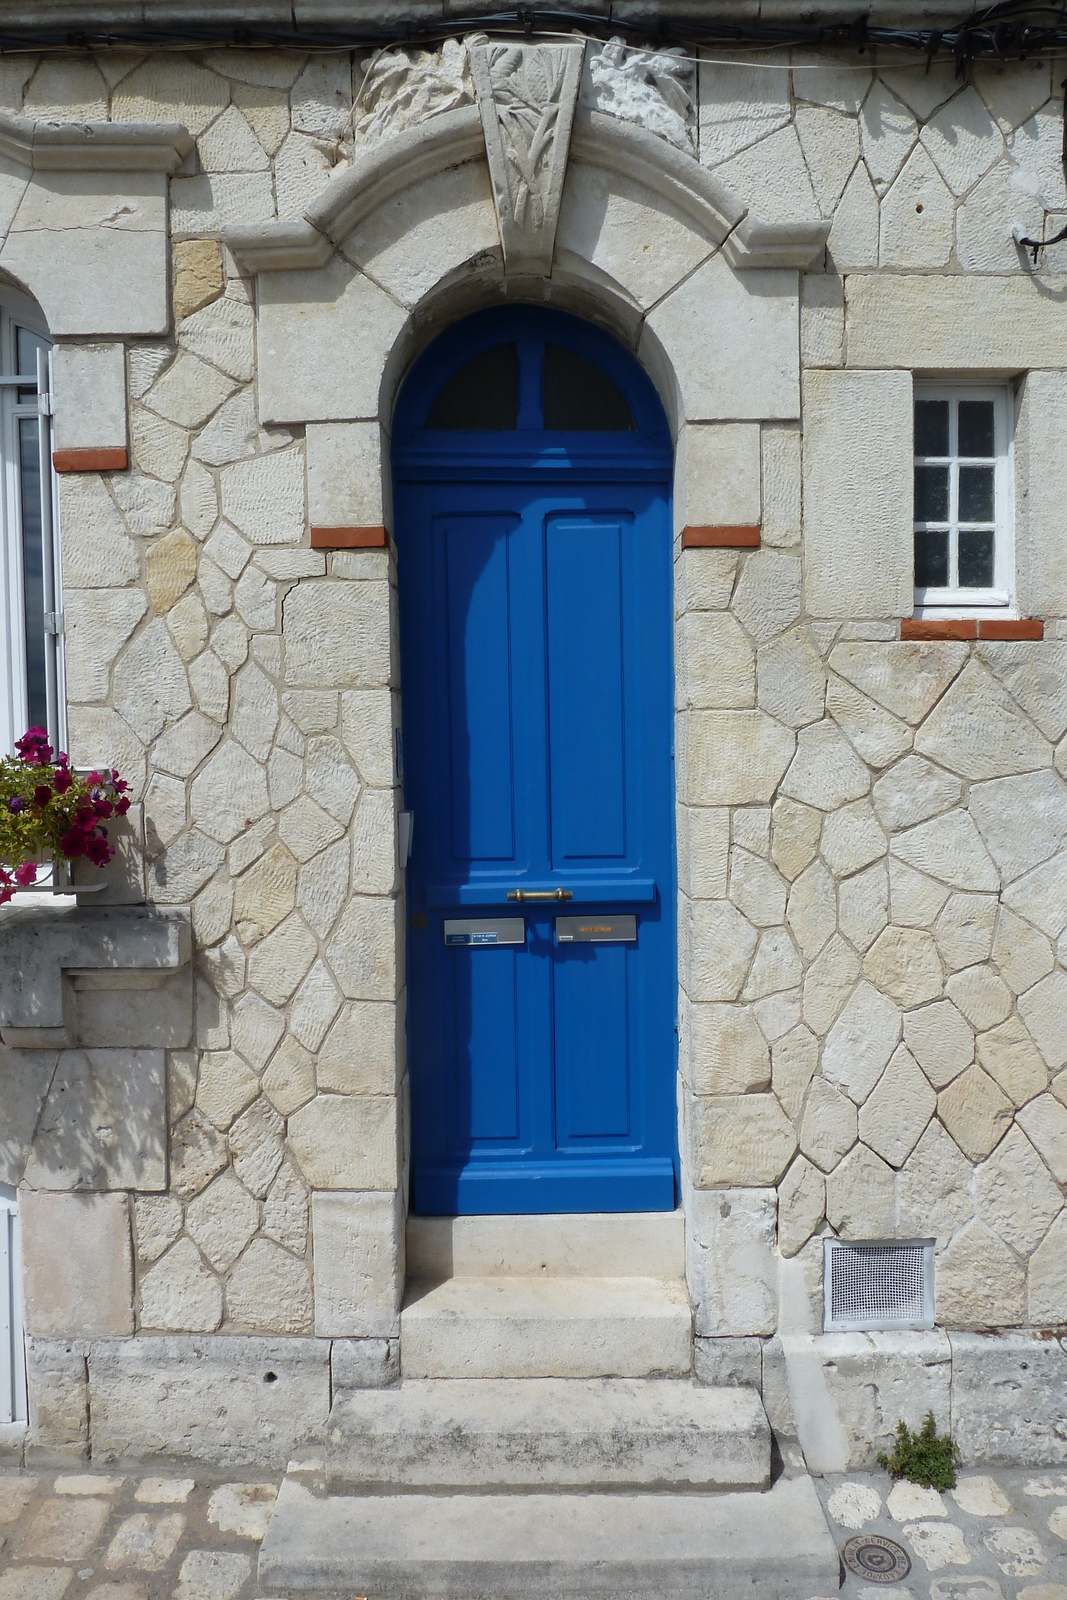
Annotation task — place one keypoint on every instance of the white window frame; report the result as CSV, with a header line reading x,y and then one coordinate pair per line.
x,y
17,311
1000,599
13,1409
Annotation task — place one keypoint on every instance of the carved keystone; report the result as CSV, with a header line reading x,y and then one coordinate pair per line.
x,y
43,946
526,97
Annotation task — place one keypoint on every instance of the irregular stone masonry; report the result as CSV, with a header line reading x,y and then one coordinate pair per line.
x,y
873,833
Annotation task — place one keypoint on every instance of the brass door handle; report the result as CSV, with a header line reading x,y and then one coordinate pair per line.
x,y
539,894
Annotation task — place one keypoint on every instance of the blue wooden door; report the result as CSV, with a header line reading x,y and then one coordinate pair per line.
x,y
532,468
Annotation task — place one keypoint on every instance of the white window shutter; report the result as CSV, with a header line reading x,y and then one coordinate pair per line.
x,y
857,433
12,1354
1041,477
53,583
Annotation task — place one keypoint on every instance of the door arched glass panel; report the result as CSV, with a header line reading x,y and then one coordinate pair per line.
x,y
556,383
579,397
482,397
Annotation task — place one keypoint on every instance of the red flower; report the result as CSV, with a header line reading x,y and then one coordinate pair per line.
x,y
103,808
98,850
26,874
123,805
33,747
42,794
63,780
73,843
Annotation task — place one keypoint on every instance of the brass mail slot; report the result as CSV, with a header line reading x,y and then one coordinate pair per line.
x,y
596,930
485,930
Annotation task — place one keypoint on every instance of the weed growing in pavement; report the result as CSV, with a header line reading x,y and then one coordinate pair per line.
x,y
922,1457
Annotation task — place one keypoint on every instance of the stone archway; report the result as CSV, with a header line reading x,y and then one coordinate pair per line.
x,y
626,228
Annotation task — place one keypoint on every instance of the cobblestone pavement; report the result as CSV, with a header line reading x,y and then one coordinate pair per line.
x,y
158,1533
998,1535
187,1533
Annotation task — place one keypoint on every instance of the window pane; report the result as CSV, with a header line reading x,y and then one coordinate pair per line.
x,y
931,494
976,494
27,345
579,397
482,397
931,560
976,432
33,572
931,427
976,559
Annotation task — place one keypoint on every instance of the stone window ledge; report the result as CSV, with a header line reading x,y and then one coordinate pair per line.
x,y
44,948
972,628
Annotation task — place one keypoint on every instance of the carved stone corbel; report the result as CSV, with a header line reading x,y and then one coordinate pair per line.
x,y
526,98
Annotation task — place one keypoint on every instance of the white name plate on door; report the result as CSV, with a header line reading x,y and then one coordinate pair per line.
x,y
596,930
486,930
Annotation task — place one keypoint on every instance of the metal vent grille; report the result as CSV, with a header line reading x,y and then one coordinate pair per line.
x,y
880,1284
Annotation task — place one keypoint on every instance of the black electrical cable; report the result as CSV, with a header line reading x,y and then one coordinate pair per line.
x,y
1009,29
1035,246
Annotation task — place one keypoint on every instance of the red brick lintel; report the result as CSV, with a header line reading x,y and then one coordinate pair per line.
x,y
971,628
111,460
741,537
349,539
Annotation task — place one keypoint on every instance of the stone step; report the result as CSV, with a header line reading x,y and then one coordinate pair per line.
x,y
645,1244
771,1546
554,1327
548,1433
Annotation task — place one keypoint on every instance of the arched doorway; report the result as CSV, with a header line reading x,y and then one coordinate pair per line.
x,y
532,467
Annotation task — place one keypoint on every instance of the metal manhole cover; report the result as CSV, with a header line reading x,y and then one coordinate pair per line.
x,y
881,1560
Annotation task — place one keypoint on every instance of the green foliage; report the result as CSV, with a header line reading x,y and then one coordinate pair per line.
x,y
922,1457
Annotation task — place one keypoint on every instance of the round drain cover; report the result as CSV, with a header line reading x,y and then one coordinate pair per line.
x,y
880,1560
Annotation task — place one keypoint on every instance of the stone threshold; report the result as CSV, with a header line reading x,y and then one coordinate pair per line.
x,y
768,1546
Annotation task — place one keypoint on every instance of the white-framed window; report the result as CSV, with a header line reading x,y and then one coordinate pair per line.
x,y
964,504
31,690
12,1349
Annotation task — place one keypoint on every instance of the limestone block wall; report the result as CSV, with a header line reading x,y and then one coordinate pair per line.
x,y
871,832
873,1000
266,769
874,1014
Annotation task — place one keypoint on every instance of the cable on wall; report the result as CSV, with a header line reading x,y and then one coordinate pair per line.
x,y
1012,29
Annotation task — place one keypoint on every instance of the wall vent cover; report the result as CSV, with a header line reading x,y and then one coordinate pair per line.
x,y
881,1283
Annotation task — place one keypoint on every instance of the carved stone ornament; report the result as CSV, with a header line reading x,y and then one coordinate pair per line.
x,y
526,96
652,88
404,87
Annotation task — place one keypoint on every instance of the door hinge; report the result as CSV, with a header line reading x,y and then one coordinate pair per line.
x,y
406,833
46,404
53,622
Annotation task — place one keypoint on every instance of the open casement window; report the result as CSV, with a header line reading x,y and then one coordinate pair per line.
x,y
31,613
964,515
12,1352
